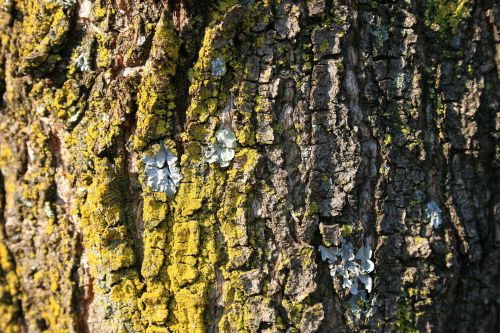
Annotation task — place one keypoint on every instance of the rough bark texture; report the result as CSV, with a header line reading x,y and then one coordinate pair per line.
x,y
351,117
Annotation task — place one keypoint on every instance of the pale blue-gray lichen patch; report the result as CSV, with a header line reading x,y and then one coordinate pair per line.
x,y
222,151
351,268
361,307
82,63
162,174
433,213
66,3
218,67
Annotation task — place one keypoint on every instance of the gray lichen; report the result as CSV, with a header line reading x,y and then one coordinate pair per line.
x,y
351,268
67,3
218,67
162,174
433,213
381,35
361,307
48,210
221,152
82,63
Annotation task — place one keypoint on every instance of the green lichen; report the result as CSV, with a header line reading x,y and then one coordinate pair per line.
x,y
407,311
44,29
156,93
445,15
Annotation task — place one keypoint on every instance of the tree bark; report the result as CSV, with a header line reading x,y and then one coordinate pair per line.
x,y
369,123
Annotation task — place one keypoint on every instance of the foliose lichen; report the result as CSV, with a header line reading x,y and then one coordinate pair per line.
x,y
381,35
82,63
218,67
221,152
162,174
433,213
361,307
351,268
67,3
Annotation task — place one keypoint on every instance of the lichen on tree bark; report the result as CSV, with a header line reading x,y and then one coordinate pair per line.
x,y
374,122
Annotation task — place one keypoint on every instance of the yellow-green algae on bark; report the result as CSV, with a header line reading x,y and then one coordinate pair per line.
x,y
192,244
209,198
9,281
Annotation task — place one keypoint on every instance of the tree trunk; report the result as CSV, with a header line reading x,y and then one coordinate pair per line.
x,y
193,166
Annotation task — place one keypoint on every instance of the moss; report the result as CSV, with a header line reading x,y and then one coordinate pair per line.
x,y
387,139
406,313
405,319
44,28
313,208
419,240
100,12
346,230
446,15
55,258
416,292
152,310
187,238
192,196
107,238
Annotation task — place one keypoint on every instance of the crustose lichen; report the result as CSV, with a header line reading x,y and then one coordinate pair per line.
x,y
221,152
162,174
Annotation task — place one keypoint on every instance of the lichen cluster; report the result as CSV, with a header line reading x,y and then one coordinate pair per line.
x,y
158,212
162,174
222,151
433,213
351,268
82,63
218,67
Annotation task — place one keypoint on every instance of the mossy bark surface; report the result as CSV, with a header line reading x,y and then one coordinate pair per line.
x,y
351,118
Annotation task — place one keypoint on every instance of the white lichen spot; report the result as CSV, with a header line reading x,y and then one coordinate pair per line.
x,y
141,40
74,117
85,7
218,67
26,202
351,268
433,213
401,81
221,152
40,109
48,210
162,174
67,3
82,63
384,169
132,71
